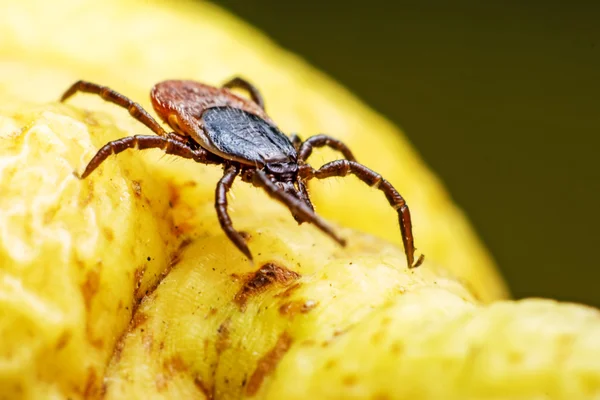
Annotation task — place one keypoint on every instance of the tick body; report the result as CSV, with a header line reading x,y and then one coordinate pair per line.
x,y
215,126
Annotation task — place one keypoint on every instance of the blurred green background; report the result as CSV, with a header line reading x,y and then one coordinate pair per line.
x,y
501,98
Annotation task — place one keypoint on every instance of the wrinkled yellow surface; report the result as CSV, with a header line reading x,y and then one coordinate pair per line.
x,y
123,285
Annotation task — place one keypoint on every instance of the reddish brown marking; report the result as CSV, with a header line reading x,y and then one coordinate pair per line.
x,y
186,101
268,363
138,320
85,201
288,292
90,287
257,282
174,195
292,308
119,346
174,365
137,188
199,383
223,340
91,387
108,234
176,256
63,340
211,312
137,282
336,333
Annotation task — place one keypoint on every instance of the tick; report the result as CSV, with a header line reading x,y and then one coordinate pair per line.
x,y
215,126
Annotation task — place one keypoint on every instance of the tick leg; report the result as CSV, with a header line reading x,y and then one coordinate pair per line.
x,y
171,144
296,141
221,206
373,179
296,206
243,84
322,141
304,196
111,96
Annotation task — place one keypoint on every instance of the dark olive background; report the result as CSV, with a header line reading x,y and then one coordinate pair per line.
x,y
501,99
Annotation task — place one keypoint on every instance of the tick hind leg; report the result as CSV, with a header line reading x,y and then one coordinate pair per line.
x,y
171,144
312,142
117,98
298,208
243,84
223,187
373,179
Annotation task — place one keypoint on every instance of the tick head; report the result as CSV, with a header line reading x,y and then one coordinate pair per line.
x,y
282,171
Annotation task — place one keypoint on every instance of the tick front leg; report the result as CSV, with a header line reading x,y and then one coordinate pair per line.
x,y
223,187
296,141
373,179
243,84
171,144
306,148
117,98
295,205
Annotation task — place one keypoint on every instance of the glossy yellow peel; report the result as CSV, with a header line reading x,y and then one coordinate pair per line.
x,y
124,286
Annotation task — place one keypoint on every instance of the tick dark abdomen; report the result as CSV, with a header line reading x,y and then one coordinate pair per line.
x,y
244,136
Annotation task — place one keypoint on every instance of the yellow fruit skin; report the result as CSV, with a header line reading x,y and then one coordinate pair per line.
x,y
78,257
69,252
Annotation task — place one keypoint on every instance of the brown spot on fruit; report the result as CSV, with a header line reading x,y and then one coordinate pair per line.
x,y
268,363
223,341
266,276
138,276
292,308
211,312
176,256
137,188
92,388
63,340
108,234
138,319
90,287
174,365
199,383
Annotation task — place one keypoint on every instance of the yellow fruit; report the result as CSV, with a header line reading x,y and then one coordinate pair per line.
x,y
124,286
